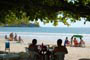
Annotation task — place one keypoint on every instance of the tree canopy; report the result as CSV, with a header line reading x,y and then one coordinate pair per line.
x,y
53,11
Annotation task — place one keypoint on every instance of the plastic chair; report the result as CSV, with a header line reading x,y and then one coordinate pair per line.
x,y
32,54
59,55
27,50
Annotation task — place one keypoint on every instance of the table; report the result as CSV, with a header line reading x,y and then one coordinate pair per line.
x,y
8,56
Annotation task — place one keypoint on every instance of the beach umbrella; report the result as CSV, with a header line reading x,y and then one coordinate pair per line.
x,y
78,36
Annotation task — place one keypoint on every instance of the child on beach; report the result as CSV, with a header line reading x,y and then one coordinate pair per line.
x,y
66,43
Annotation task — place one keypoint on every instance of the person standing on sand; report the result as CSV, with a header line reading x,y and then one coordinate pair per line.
x,y
11,37
6,37
15,38
71,41
20,39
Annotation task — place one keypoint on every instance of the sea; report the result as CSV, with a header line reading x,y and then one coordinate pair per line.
x,y
46,35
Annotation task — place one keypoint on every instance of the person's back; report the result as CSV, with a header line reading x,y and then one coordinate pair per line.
x,y
60,49
33,50
33,46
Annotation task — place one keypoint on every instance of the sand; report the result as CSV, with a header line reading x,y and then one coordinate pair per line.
x,y
74,53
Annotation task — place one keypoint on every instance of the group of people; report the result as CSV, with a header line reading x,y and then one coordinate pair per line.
x,y
44,52
74,42
14,38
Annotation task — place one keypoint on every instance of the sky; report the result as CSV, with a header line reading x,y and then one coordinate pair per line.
x,y
77,24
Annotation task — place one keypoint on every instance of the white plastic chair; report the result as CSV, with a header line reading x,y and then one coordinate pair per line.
x,y
27,50
32,54
59,55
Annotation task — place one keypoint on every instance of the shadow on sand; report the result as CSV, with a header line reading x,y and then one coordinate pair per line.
x,y
84,59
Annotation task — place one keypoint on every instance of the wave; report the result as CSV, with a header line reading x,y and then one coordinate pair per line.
x,y
45,37
42,33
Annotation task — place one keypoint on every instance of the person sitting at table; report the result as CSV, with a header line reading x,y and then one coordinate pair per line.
x,y
33,45
33,50
59,49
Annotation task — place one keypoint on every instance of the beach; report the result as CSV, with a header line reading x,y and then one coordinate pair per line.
x,y
47,36
74,53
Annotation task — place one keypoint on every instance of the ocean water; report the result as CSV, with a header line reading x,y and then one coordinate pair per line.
x,y
45,34
46,30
